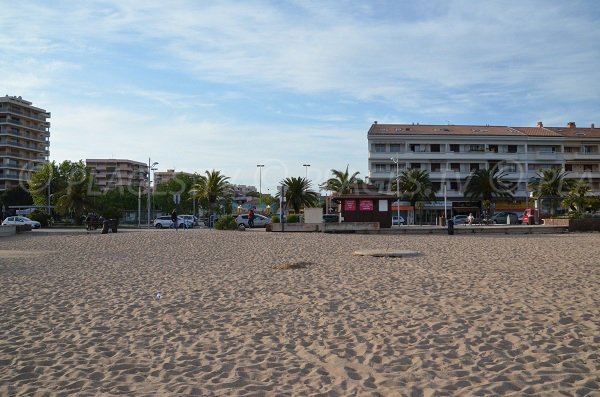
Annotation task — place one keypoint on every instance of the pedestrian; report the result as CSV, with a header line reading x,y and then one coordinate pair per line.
x,y
251,218
174,218
470,218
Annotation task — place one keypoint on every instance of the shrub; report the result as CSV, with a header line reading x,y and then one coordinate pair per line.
x,y
226,223
292,218
41,216
275,219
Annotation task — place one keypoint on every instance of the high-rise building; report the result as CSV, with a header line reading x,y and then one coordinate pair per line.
x,y
117,173
24,140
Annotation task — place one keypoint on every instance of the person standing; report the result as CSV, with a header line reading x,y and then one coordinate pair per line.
x,y
174,218
251,218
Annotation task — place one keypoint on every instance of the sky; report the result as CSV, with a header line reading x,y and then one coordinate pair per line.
x,y
197,85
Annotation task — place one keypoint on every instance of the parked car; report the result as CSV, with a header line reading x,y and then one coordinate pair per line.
x,y
330,218
190,219
395,220
165,222
501,218
460,219
259,220
21,220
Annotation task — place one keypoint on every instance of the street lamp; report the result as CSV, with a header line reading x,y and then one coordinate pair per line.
x,y
306,168
260,167
150,169
397,161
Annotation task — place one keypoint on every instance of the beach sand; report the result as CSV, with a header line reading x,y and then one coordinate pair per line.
x,y
275,314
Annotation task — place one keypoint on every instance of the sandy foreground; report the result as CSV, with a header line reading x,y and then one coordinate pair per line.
x,y
473,315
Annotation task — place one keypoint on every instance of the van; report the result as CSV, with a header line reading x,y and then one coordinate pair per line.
x,y
531,216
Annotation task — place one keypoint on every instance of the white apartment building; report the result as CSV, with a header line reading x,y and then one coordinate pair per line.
x,y
114,173
24,140
449,153
166,176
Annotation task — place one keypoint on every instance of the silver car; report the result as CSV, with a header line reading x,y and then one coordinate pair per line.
x,y
259,220
165,222
21,220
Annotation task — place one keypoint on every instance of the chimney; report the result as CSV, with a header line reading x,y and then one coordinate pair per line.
x,y
593,126
571,124
375,122
540,124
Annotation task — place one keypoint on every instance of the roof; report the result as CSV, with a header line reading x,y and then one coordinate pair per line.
x,y
481,130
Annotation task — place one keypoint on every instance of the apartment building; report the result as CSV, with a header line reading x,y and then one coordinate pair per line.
x,y
24,140
165,176
449,153
115,173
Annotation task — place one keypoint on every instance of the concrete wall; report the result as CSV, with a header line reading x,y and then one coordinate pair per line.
x,y
313,215
8,230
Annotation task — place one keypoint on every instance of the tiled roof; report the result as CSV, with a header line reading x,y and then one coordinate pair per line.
x,y
409,129
477,130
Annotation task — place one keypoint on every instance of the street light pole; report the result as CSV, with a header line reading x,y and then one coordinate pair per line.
x,y
260,167
306,168
150,168
397,161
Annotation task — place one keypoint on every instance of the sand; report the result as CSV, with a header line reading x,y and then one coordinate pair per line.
x,y
277,314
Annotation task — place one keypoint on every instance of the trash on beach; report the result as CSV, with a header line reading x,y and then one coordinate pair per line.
x,y
158,295
293,265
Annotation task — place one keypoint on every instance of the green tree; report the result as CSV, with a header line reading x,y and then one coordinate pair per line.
x,y
576,197
74,200
299,193
550,184
415,186
48,174
212,188
15,196
487,185
342,181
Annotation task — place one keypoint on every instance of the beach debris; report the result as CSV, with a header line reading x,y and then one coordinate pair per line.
x,y
158,295
293,265
387,253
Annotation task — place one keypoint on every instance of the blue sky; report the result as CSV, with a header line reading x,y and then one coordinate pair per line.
x,y
197,85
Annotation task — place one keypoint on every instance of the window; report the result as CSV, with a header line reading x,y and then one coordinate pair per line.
x,y
493,148
395,148
588,167
415,148
453,185
476,148
379,148
380,167
455,167
586,149
455,148
509,167
568,167
435,148
436,167
415,166
512,149
474,167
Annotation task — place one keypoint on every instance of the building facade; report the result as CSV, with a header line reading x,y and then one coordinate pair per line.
x,y
24,140
117,173
166,176
449,153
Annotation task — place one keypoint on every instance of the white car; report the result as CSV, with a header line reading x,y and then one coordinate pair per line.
x,y
395,220
21,220
259,220
460,219
166,222
190,219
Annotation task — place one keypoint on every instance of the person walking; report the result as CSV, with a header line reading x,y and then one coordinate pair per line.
x,y
251,218
174,218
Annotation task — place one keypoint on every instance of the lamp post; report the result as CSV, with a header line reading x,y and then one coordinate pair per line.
x,y
260,167
150,169
306,168
397,161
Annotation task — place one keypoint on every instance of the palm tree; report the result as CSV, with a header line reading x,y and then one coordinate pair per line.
x,y
551,184
576,196
342,181
415,186
211,187
299,193
486,185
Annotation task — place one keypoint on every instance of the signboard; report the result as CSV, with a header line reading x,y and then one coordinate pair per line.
x,y
366,205
383,206
349,205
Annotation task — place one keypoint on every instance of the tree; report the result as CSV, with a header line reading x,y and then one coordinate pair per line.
x,y
299,193
415,185
549,184
576,197
487,185
48,174
342,181
212,187
74,200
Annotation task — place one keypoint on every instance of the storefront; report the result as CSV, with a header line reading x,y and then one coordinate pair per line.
x,y
366,207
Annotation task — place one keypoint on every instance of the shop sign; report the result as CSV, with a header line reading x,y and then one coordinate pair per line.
x,y
366,205
349,205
